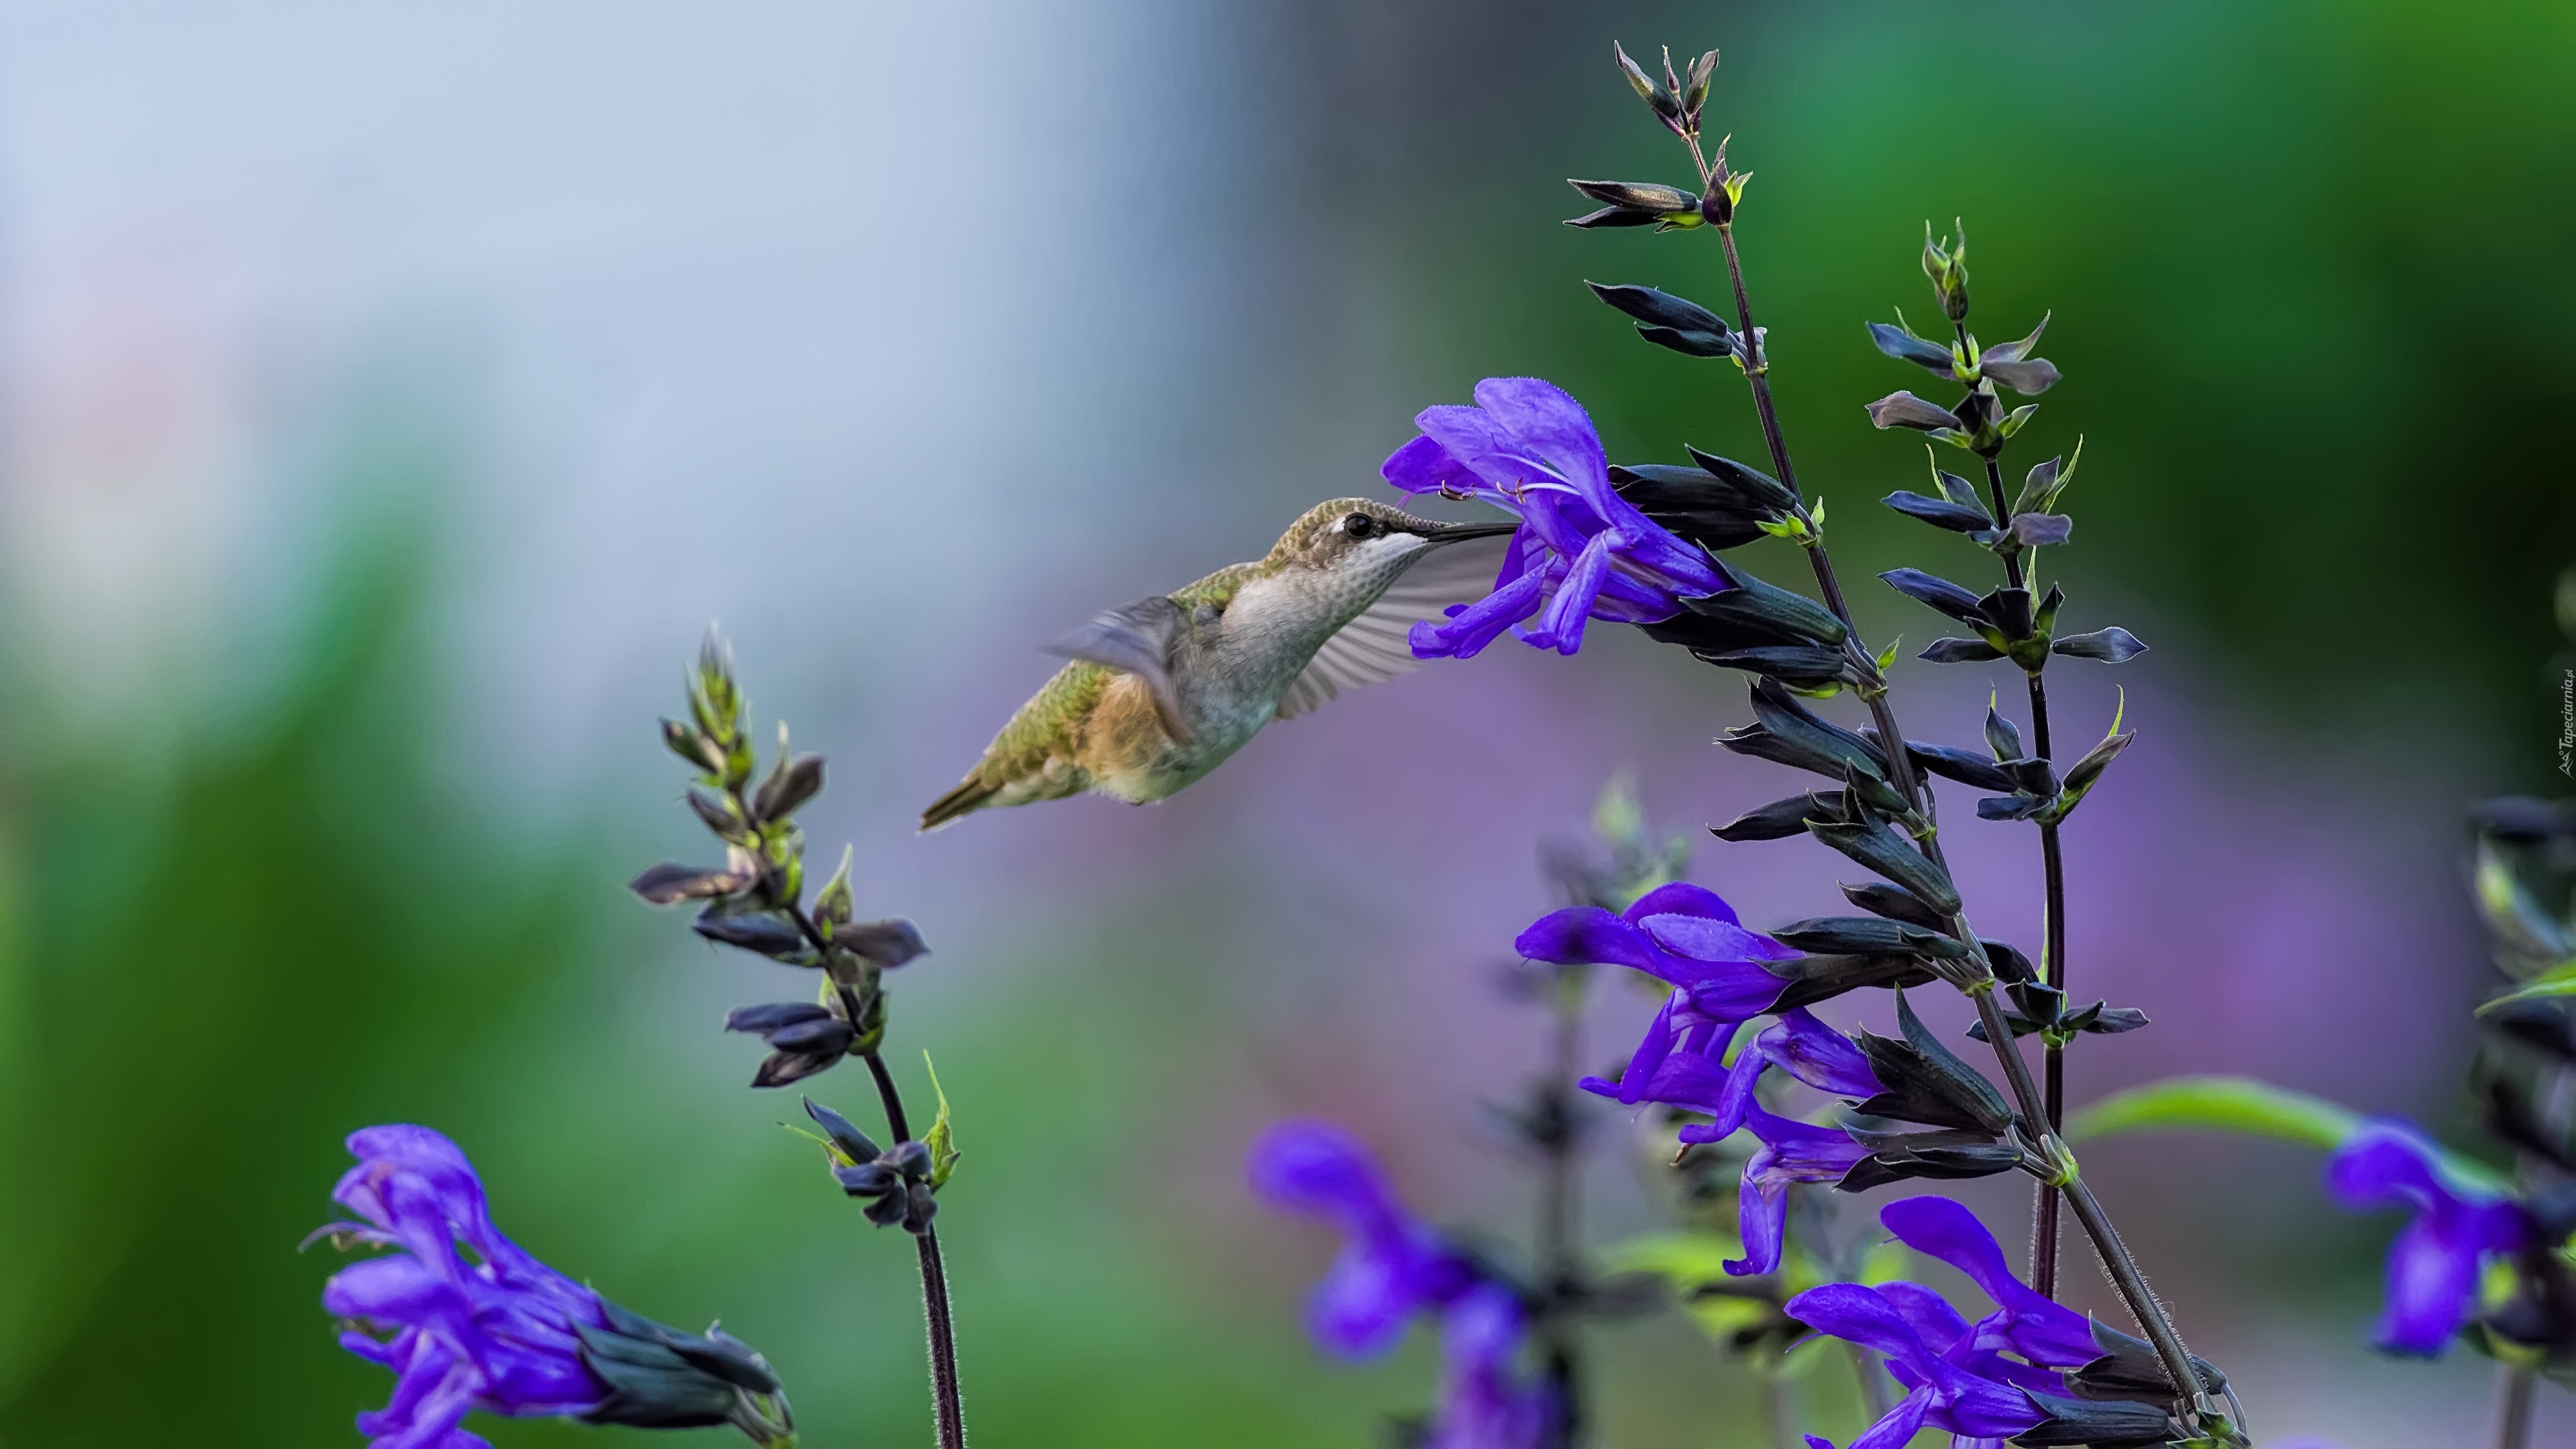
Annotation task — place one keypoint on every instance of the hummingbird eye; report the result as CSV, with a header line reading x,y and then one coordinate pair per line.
x,y
1359,525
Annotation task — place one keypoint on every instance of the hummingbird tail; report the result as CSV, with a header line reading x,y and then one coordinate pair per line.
x,y
966,799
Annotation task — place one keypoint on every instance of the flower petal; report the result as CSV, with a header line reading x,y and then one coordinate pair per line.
x,y
1320,1170
1588,936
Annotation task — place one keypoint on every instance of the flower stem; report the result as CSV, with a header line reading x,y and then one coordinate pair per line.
x,y
2052,960
949,1410
2514,1384
2027,1097
1559,1264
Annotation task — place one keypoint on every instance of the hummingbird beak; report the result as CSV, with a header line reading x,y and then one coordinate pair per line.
x,y
1444,533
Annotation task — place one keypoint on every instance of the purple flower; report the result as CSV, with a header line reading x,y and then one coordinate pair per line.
x,y
1582,552
1392,1267
2025,1321
1941,1394
504,1333
1483,1402
2433,1266
1790,1152
1801,1046
1395,1267
1681,933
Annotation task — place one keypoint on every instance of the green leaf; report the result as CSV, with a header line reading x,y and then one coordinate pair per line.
x,y
942,1137
2218,1104
2244,1105
2558,980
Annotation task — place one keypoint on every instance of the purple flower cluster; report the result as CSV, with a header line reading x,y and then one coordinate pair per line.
x,y
502,1332
499,1334
1973,1379
1582,552
1394,1268
2434,1266
1687,935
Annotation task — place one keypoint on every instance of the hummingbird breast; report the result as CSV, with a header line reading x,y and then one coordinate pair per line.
x,y
1230,671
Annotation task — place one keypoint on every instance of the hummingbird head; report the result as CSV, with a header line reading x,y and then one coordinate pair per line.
x,y
1364,543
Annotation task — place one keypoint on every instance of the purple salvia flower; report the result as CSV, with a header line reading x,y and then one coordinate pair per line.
x,y
2433,1267
2025,1321
504,1333
1801,1046
1582,551
1393,1265
1941,1393
1484,1404
1681,933
1790,1152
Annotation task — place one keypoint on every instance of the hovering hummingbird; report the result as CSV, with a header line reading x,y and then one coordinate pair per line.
x,y
1162,690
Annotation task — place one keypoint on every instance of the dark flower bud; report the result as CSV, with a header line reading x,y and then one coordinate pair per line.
x,y
1947,266
794,780
1938,593
2020,805
1636,203
912,1159
2046,481
2010,611
868,1179
1758,488
1782,819
1694,89
1866,936
1940,512
1669,321
669,884
803,1039
1878,850
888,944
1800,666
718,815
661,1378
1690,503
2130,1368
889,1206
1926,1082
1972,770
2009,963
692,745
763,933
2002,735
2521,820
2114,645
1810,979
1960,651
2011,364
1947,1155
2095,761
2111,1425
2541,1024
2041,530
1807,740
1658,97
851,1145
1904,346
1882,899
1767,605
1905,410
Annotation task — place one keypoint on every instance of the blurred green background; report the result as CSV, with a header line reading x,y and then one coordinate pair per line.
x,y
388,399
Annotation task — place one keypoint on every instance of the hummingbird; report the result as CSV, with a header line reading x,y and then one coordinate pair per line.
x,y
1161,691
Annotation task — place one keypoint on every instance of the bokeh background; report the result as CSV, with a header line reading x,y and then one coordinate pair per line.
x,y
390,395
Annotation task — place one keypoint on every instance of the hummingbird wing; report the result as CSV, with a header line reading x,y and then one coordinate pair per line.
x,y
1137,639
1377,645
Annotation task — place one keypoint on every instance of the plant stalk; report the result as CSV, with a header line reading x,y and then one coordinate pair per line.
x,y
2027,1097
2052,961
948,1407
1558,1257
2514,1384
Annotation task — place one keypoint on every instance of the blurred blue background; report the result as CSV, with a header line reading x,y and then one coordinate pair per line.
x,y
390,396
